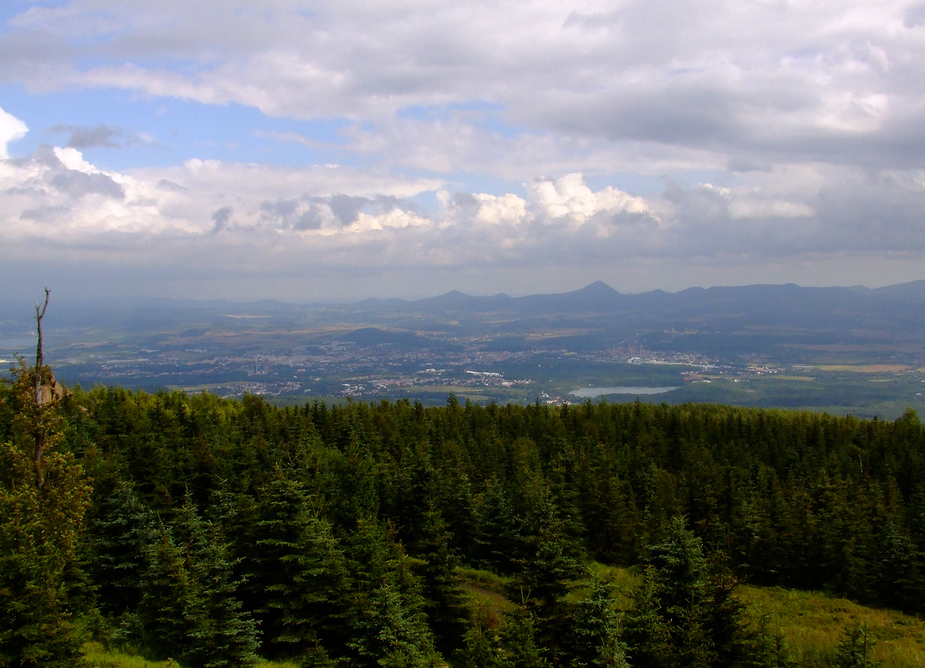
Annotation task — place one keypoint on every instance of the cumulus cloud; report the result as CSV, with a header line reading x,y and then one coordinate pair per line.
x,y
671,132
221,217
330,221
330,216
570,198
754,77
11,129
85,137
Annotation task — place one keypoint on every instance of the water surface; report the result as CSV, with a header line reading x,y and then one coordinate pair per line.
x,y
591,392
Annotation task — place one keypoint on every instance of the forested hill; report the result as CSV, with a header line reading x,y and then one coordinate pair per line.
x,y
214,530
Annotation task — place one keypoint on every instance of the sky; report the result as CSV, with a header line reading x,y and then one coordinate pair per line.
x,y
314,151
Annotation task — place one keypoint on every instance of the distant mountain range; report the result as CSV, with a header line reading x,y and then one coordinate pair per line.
x,y
597,296
753,317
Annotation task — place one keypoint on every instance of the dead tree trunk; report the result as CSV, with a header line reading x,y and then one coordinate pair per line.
x,y
39,355
39,398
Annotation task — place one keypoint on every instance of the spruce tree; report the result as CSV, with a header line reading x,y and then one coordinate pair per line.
x,y
223,634
595,630
167,613
519,646
387,622
545,568
43,498
481,647
297,574
120,531
685,613
854,650
444,601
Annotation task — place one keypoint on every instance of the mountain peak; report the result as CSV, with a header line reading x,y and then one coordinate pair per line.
x,y
598,288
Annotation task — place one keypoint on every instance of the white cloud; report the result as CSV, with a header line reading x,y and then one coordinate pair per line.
x,y
569,197
337,216
667,131
768,208
506,209
11,129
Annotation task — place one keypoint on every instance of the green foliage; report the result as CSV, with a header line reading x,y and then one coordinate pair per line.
x,y
43,498
685,613
518,640
388,625
224,634
441,587
297,573
595,630
854,651
120,529
166,613
392,634
480,644
342,530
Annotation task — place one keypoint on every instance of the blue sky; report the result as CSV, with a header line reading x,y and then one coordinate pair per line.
x,y
317,151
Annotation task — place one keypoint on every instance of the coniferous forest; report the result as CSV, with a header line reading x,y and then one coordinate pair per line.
x,y
217,531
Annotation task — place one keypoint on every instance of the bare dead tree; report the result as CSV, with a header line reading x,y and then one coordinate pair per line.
x,y
39,399
39,355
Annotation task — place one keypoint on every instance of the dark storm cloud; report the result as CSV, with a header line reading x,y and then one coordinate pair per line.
x,y
43,214
79,184
101,136
310,219
220,218
295,214
347,208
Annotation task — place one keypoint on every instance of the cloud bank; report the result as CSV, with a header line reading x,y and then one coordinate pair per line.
x,y
671,142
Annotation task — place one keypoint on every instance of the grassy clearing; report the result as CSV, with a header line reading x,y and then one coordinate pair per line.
x,y
98,657
813,625
486,594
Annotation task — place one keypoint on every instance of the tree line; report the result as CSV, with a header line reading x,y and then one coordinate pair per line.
x,y
212,531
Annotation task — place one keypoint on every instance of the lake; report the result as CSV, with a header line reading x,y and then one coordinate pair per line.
x,y
590,392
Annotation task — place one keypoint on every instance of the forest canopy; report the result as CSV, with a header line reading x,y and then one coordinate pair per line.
x,y
215,531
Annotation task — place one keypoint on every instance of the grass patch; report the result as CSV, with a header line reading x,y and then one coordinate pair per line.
x,y
813,624
486,594
98,657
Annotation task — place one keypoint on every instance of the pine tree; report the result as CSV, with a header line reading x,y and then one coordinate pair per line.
x,y
595,629
120,531
685,613
854,650
391,633
442,589
545,568
387,622
480,643
297,574
224,634
43,498
518,640
167,611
